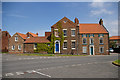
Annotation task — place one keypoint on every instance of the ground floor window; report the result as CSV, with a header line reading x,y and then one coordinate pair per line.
x,y
19,47
65,45
84,49
35,46
13,47
101,49
73,45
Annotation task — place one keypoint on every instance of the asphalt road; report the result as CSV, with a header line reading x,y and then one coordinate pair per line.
x,y
99,66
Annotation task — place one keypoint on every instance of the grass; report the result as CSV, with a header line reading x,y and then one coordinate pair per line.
x,y
36,54
117,62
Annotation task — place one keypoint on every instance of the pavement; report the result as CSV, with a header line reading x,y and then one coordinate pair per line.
x,y
98,66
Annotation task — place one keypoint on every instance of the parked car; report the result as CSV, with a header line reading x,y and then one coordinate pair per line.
x,y
111,50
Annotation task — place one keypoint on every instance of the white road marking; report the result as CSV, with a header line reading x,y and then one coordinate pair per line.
x,y
30,71
42,73
9,74
73,65
19,73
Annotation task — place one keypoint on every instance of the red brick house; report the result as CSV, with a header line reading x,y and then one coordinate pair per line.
x,y
16,43
4,40
89,39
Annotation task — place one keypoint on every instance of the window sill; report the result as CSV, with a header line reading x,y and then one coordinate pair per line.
x,y
64,48
73,35
73,48
101,44
65,36
84,44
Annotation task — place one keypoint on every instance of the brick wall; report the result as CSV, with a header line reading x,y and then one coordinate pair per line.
x,y
16,43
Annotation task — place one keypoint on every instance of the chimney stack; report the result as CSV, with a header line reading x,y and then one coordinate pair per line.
x,y
76,21
36,33
101,22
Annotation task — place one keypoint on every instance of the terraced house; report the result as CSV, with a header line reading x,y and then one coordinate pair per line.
x,y
78,38
89,39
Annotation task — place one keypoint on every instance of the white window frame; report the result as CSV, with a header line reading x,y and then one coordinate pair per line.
x,y
84,49
16,38
90,41
55,32
100,49
71,43
13,48
35,46
63,44
19,47
66,32
71,32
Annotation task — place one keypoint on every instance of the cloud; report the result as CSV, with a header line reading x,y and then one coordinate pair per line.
x,y
112,26
16,15
101,11
97,4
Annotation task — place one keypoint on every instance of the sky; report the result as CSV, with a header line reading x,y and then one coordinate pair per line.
x,y
38,17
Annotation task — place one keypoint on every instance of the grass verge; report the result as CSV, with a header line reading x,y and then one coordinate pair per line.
x,y
116,62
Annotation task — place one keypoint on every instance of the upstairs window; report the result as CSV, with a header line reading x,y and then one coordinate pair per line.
x,y
19,47
84,41
56,33
13,47
72,32
101,49
91,41
101,40
65,32
16,38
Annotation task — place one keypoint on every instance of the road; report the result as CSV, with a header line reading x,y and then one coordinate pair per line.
x,y
99,66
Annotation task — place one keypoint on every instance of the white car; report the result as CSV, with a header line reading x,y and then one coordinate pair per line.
x,y
111,50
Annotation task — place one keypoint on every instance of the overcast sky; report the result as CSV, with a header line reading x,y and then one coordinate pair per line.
x,y
40,16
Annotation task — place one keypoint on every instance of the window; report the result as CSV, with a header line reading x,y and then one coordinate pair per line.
x,y
101,49
73,45
13,47
56,33
91,40
16,38
65,45
64,32
65,21
101,40
19,47
6,34
84,49
73,32
84,41
35,46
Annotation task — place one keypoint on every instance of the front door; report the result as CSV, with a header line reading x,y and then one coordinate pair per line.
x,y
91,50
57,47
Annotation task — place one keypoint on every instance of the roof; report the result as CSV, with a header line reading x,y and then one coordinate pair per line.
x,y
115,38
37,40
47,34
34,35
92,28
24,36
61,20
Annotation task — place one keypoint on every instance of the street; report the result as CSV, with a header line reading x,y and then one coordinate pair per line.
x,y
98,66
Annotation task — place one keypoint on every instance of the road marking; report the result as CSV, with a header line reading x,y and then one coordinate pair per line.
x,y
42,73
9,74
30,71
73,65
19,73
